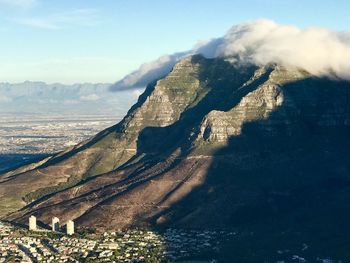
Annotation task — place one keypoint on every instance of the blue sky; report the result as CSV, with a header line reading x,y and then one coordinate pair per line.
x,y
102,40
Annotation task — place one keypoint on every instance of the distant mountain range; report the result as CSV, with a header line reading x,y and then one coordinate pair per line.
x,y
41,98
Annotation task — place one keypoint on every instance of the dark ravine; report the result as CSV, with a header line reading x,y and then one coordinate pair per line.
x,y
211,145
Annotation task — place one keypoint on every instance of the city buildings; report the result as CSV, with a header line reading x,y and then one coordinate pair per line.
x,y
70,227
32,223
55,224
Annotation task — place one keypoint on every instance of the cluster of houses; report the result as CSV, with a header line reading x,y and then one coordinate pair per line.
x,y
55,225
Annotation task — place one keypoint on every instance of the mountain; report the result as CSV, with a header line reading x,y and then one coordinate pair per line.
x,y
43,98
263,150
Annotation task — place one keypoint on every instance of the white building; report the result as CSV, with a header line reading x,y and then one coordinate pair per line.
x,y
55,224
32,223
70,227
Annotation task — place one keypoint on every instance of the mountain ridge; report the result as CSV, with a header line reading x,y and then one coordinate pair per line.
x,y
194,159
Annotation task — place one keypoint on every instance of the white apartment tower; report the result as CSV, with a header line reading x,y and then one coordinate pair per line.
x,y
70,227
32,223
55,224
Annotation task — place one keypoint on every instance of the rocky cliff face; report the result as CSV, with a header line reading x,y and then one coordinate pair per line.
x,y
209,145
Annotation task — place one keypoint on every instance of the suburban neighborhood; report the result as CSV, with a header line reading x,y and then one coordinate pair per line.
x,y
18,244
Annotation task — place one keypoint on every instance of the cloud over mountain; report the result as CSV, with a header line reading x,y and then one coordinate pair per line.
x,y
316,50
149,72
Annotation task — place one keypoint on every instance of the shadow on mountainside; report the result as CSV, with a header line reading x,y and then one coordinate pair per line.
x,y
283,183
223,95
227,81
220,75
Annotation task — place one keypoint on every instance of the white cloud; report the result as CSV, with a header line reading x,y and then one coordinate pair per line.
x,y
319,51
77,17
18,3
148,72
316,50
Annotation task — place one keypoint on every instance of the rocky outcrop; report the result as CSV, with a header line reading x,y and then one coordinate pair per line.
x,y
219,126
